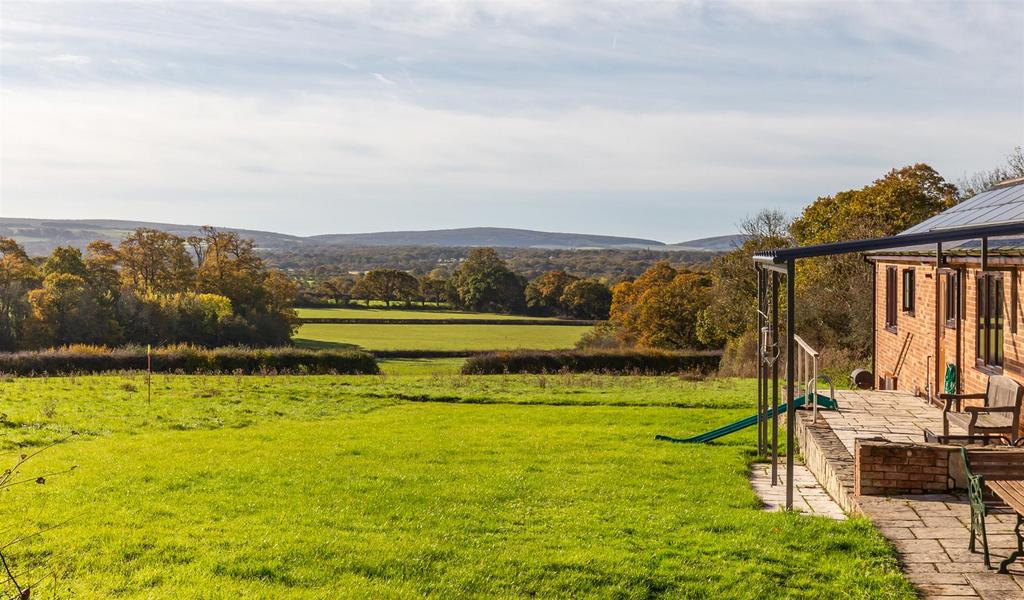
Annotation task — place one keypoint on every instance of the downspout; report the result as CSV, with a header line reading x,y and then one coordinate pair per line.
x,y
874,318
961,287
935,391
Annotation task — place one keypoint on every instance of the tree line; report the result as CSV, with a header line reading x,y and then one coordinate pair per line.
x,y
482,282
210,289
316,263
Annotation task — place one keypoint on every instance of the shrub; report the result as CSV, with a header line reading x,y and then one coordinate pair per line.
x,y
739,359
188,359
649,362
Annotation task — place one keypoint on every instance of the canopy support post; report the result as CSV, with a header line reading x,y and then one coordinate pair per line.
x,y
774,333
760,364
790,348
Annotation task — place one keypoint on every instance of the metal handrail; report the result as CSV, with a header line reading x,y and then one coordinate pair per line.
x,y
805,346
807,364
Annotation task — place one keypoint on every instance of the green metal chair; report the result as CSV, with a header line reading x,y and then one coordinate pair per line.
x,y
975,494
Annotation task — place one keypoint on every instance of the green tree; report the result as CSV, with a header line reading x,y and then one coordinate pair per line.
x,y
587,299
544,294
435,289
732,298
387,286
337,288
65,259
484,282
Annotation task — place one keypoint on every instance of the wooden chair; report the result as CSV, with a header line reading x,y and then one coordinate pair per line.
x,y
999,415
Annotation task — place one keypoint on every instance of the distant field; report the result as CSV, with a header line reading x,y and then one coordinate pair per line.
x,y
400,313
440,337
420,366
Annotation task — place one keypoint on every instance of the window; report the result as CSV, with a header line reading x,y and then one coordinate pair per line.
x,y
989,346
908,291
951,302
890,298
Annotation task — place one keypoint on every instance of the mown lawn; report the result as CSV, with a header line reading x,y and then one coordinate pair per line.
x,y
395,487
401,313
439,337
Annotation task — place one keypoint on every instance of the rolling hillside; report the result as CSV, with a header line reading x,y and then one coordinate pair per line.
x,y
40,236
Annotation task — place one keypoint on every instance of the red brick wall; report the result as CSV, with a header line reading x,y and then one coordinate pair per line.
x,y
882,468
921,328
914,335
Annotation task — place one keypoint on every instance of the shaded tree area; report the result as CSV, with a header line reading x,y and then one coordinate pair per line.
x,y
154,287
483,282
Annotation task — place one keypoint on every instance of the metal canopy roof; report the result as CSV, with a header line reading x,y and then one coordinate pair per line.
x,y
903,240
994,213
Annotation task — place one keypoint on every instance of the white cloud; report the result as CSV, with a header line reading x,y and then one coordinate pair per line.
x,y
530,113
70,59
127,147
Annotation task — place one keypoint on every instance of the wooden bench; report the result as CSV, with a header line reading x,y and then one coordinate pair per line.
x,y
1002,471
999,415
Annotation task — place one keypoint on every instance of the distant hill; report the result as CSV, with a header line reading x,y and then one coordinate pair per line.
x,y
41,236
719,243
484,236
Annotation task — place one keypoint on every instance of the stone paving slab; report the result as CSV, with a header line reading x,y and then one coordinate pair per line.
x,y
808,495
930,531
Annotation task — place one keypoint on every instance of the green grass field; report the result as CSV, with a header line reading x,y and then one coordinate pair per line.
x,y
439,337
409,486
400,313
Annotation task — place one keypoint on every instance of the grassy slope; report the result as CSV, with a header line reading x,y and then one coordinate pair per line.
x,y
440,337
333,487
400,313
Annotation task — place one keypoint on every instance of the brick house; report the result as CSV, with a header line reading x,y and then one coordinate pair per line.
x,y
929,314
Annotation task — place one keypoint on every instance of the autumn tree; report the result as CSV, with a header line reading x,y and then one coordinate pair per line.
x,y
58,306
659,309
17,276
834,292
544,294
154,261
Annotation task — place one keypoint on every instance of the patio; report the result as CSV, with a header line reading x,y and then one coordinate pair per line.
x,y
930,531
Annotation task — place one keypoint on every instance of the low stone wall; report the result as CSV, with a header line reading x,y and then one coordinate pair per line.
x,y
826,457
885,468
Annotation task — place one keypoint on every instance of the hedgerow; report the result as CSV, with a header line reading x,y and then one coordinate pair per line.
x,y
649,362
187,359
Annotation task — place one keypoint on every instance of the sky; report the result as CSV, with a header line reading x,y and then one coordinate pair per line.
x,y
661,120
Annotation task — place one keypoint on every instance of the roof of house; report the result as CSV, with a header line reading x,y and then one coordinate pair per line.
x,y
1003,203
